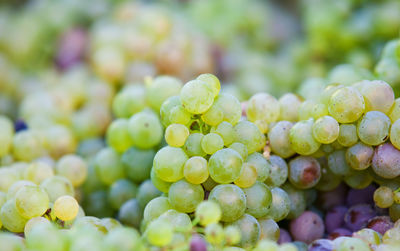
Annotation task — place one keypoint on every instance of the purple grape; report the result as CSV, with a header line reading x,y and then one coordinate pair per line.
x,y
330,199
338,233
361,196
284,236
357,216
307,227
386,161
71,48
20,125
380,224
321,245
334,218
198,243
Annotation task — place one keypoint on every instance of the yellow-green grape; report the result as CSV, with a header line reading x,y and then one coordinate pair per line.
x,y
269,229
169,162
346,105
212,81
31,201
325,130
373,128
109,63
358,179
240,148
59,141
305,109
394,113
319,110
159,233
247,177
214,233
66,208
3,197
250,230
266,245
196,96
145,130
11,219
383,197
326,94
248,134
226,131
155,208
178,115
74,168
378,95
262,126
232,235
225,166
395,134
34,222
258,199
108,166
118,136
129,101
160,89
176,135
301,138
185,196
396,197
279,140
57,186
359,156
368,235
347,135
6,135
196,170
230,106
38,171
14,188
289,104
208,212
166,108
392,236
180,221
26,146
263,106
212,143
192,145
213,116
231,199
7,177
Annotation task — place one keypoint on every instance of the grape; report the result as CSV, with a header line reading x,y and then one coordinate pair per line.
x,y
258,199
226,131
380,224
325,130
38,172
195,170
169,162
353,244
311,109
360,196
394,212
6,135
321,245
346,105
197,243
358,179
280,204
145,130
118,136
155,208
192,145
73,168
108,223
211,81
121,191
304,172
213,116
185,196
261,165
297,201
263,106
196,96
208,212
357,216
57,186
27,146
284,236
289,105
338,233
307,227
359,156
301,138
214,233
54,239
212,143
269,229
130,213
97,203
180,221
146,192
279,140
11,242
176,135
31,201
266,245
248,134
160,89
231,199
166,109
328,180
248,176
123,239
240,148
334,218
129,101
391,236
347,135
250,230
337,163
158,183
230,106
159,233
378,95
395,134
373,128
225,166
394,113
108,166
386,161
178,115
66,208
11,219
14,188
383,197
138,163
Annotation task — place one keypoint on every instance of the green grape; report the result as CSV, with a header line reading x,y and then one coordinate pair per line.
x,y
214,233
166,109
180,221
108,223
122,239
247,177
368,235
66,208
289,104
185,196
108,166
212,81
337,163
306,109
129,101
4,197
160,89
346,105
121,191
130,213
269,229
358,179
196,96
212,143
263,168
155,208
395,134
248,134
266,245
263,106
6,135
213,116
232,235
378,95
359,156
161,185
208,212
145,130
301,138
57,186
278,171
231,199
230,106
258,199
279,139
391,236
353,244
96,203
138,163
250,230
240,148
73,168
118,136
55,240
169,162
195,170
383,197
226,131
297,201
373,128
59,140
280,204
31,201
325,130
146,192
178,115
26,146
38,171
225,166
89,147
91,223
11,242
176,135
304,172
34,222
159,233
329,180
192,145
11,219
328,91
394,113
347,135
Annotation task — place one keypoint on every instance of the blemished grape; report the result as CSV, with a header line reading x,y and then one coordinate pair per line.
x,y
357,216
225,166
386,161
185,196
160,89
169,162
231,199
145,130
359,156
196,170
373,128
347,135
280,204
196,96
212,143
31,201
307,227
321,245
279,140
66,208
334,218
208,212
263,106
395,134
301,138
250,230
258,199
325,130
176,135
383,197
304,172
159,233
380,224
